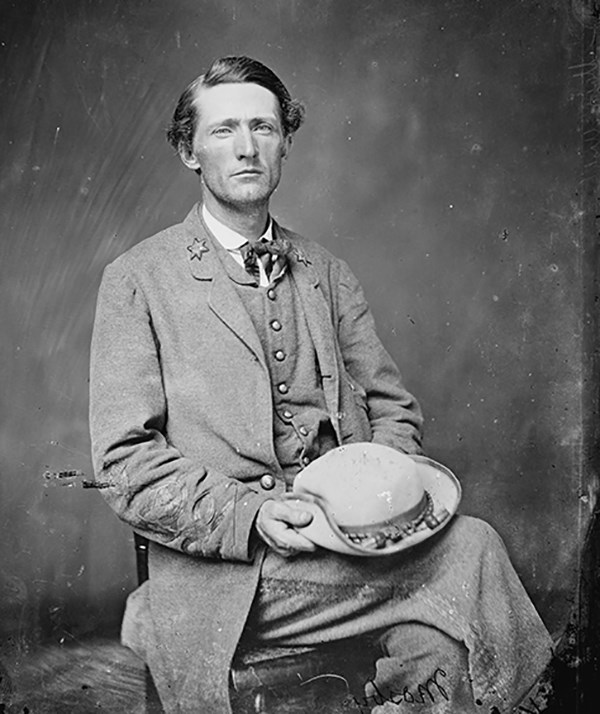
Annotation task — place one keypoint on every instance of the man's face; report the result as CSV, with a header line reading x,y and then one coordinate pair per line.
x,y
238,145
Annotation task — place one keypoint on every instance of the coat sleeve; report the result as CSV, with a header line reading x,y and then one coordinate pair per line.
x,y
163,495
394,414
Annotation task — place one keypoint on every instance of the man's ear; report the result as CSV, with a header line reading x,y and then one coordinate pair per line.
x,y
188,157
287,146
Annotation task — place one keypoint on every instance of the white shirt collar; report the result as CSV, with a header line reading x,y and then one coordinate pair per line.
x,y
228,238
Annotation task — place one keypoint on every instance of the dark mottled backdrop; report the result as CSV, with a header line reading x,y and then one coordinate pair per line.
x,y
440,157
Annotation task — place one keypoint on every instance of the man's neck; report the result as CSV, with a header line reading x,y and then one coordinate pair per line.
x,y
250,221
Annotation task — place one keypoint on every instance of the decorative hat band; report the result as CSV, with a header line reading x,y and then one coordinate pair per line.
x,y
381,535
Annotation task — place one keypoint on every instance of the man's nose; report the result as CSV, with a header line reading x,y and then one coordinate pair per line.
x,y
245,145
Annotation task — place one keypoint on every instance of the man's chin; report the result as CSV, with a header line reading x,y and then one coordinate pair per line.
x,y
249,198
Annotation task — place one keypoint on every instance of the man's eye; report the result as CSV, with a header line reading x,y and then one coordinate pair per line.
x,y
263,128
222,131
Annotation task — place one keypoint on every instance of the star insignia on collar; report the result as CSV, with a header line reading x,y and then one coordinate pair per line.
x,y
197,249
301,256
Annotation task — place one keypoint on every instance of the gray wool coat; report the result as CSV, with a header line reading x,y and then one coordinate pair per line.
x,y
181,419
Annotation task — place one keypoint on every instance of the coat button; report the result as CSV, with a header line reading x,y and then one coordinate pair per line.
x,y
267,482
283,388
305,460
271,294
279,355
275,325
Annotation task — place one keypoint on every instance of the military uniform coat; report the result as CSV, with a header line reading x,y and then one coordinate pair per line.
x,y
181,419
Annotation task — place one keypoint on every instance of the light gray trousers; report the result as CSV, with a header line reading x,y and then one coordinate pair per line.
x,y
451,610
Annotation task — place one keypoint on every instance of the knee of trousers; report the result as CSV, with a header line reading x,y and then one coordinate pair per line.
x,y
475,532
418,641
418,656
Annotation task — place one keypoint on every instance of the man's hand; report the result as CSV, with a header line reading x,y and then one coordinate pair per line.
x,y
276,524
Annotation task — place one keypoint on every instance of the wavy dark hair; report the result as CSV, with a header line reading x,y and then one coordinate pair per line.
x,y
231,70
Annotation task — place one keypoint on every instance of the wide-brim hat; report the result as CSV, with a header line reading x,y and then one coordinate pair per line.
x,y
371,500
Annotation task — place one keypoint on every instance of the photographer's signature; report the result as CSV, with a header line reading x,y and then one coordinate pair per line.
x,y
425,693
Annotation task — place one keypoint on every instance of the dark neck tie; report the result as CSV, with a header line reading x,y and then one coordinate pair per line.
x,y
265,251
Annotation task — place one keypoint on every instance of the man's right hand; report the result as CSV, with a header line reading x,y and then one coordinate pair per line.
x,y
276,524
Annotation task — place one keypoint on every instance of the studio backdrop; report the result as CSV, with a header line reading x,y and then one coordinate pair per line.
x,y
443,156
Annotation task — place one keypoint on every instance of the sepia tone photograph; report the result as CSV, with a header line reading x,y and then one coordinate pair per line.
x,y
299,356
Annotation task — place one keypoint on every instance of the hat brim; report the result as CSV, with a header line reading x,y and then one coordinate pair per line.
x,y
441,484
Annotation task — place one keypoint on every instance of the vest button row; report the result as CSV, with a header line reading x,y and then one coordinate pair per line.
x,y
279,355
267,482
275,325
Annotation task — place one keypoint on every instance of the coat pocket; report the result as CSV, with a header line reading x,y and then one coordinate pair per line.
x,y
355,425
358,392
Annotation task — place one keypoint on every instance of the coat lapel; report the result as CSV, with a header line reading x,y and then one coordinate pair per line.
x,y
229,308
205,265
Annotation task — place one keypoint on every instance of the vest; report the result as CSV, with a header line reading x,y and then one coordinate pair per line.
x,y
302,430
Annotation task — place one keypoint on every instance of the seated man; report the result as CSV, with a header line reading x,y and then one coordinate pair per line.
x,y
228,353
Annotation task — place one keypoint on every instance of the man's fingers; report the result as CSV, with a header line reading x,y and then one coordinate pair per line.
x,y
287,541
297,517
276,523
287,512
283,538
292,540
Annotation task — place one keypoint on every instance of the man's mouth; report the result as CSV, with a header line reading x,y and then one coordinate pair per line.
x,y
248,172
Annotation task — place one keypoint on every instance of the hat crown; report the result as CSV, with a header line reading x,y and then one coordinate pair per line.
x,y
363,484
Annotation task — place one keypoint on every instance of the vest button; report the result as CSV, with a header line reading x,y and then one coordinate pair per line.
x,y
275,325
303,430
271,294
283,388
267,482
287,414
279,355
305,460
